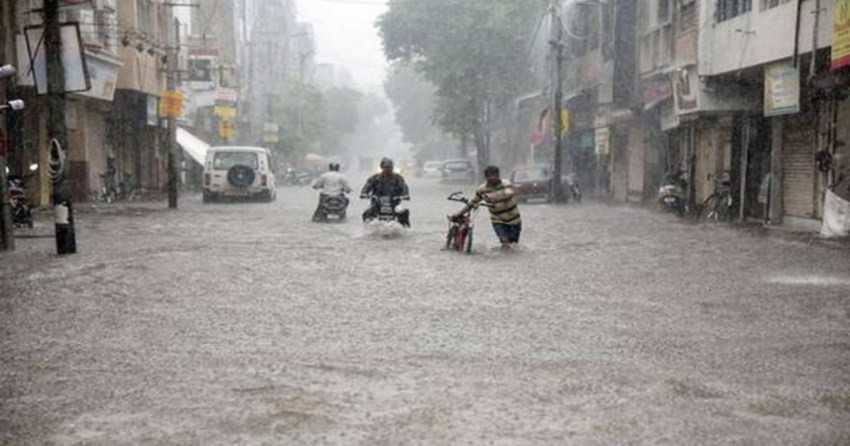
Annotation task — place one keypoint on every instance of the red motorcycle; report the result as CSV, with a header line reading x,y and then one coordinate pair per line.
x,y
459,236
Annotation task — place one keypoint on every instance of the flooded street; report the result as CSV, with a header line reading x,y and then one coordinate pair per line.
x,y
245,323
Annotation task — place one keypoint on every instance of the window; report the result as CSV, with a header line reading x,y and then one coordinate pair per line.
x,y
663,11
226,160
767,4
727,9
143,15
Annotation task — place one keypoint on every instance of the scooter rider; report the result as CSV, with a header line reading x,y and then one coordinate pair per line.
x,y
386,184
331,183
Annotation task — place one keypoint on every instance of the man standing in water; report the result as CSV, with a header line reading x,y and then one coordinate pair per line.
x,y
504,212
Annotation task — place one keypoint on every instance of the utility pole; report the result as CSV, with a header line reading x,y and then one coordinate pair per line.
x,y
171,78
556,192
7,236
57,132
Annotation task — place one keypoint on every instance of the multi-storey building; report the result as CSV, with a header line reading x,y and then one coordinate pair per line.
x,y
780,51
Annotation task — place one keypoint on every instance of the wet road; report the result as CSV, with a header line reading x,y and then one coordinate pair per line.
x,y
247,324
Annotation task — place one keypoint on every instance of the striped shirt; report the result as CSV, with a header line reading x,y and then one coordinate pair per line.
x,y
503,207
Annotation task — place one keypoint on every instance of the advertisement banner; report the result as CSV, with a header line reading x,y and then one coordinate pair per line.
x,y
687,90
841,35
602,146
781,89
153,111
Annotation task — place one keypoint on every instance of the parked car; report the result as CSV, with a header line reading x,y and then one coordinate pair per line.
x,y
458,171
531,182
432,169
238,172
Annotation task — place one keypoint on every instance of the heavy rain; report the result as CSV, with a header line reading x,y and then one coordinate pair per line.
x,y
381,222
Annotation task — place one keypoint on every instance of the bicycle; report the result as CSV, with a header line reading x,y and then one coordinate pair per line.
x,y
718,205
459,236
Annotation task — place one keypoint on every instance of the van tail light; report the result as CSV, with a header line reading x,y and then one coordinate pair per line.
x,y
207,179
263,180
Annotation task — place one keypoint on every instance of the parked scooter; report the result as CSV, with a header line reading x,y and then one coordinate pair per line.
x,y
297,177
21,208
671,195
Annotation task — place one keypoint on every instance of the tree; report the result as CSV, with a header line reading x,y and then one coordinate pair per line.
x,y
300,112
343,117
472,51
414,100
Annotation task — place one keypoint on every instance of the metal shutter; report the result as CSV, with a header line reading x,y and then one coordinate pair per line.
x,y
798,166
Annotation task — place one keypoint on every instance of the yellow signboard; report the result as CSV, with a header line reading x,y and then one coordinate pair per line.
x,y
171,104
841,35
565,121
223,111
225,129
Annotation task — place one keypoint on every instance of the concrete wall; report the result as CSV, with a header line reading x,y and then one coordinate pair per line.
x,y
759,37
140,70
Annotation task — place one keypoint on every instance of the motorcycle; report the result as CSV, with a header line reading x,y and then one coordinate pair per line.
x,y
331,206
459,235
297,177
21,210
671,195
388,211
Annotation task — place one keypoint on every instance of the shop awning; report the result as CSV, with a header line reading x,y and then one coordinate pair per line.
x,y
193,146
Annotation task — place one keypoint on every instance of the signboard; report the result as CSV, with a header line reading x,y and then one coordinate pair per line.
x,y
687,90
781,89
171,104
655,92
152,111
565,121
601,137
34,70
270,132
226,95
200,69
223,111
841,35
225,129
103,75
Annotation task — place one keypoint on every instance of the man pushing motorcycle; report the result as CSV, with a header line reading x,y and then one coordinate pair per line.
x,y
504,212
386,184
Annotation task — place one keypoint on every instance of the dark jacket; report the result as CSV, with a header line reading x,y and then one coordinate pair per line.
x,y
380,185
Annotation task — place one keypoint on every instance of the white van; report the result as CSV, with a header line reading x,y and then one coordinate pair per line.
x,y
238,172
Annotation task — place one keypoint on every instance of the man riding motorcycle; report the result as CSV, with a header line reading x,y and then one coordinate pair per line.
x,y
333,184
386,184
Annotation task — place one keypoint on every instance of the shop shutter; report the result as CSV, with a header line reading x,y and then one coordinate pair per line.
x,y
798,166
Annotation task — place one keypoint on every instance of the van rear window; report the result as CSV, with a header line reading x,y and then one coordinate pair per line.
x,y
226,160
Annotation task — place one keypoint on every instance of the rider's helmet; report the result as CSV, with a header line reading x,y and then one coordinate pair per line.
x,y
386,162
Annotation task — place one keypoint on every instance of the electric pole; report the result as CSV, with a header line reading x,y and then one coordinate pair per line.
x,y
57,132
171,79
556,192
7,236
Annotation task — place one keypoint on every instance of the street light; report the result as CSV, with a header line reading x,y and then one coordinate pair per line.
x,y
14,105
7,71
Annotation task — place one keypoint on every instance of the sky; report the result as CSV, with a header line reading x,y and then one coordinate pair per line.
x,y
346,35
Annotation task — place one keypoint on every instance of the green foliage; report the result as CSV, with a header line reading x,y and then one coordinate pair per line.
x,y
300,110
413,98
473,51
343,110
